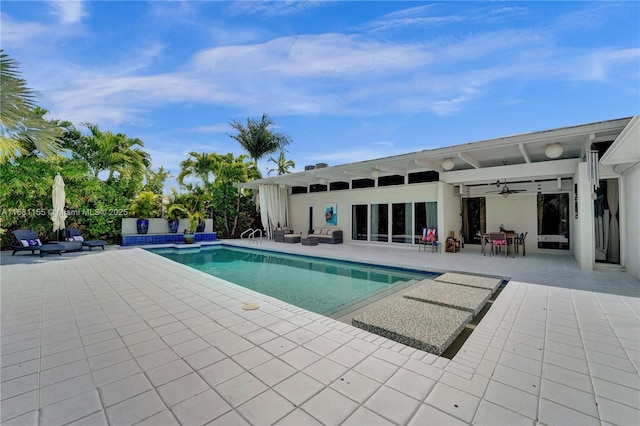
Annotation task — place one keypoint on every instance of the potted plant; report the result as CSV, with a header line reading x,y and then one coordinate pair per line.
x,y
189,234
144,206
175,212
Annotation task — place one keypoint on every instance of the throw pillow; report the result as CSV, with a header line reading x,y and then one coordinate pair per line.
x,y
36,242
78,238
25,243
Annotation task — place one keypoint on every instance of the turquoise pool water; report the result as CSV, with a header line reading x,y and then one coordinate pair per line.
x,y
327,287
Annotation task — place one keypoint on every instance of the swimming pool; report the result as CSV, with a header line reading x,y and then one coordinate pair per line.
x,y
327,287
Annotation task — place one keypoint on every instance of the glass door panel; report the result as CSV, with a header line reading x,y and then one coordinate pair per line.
x,y
360,223
380,222
553,221
401,224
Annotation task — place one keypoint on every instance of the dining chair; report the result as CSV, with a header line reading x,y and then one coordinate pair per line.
x,y
498,240
519,241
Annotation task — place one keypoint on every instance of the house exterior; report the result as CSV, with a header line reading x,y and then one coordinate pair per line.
x,y
574,189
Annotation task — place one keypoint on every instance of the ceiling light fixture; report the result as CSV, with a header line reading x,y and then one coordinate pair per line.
x,y
375,173
448,164
553,150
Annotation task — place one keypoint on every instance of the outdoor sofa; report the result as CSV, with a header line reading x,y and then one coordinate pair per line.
x,y
327,235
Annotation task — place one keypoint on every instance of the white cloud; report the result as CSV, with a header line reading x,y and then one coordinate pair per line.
x,y
68,11
273,8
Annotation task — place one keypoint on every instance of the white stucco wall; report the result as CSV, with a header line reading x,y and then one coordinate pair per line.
x,y
518,212
584,247
299,203
631,183
448,210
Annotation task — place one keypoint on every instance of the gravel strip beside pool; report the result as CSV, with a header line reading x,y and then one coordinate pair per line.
x,y
421,325
471,280
450,295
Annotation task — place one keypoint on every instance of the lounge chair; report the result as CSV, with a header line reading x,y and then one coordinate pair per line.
x,y
29,241
72,234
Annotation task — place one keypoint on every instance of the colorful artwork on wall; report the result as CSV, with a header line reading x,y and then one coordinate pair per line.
x,y
331,214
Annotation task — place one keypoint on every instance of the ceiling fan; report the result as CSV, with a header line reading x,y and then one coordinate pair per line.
x,y
505,191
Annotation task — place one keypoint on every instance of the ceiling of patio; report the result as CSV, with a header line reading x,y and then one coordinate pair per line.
x,y
514,158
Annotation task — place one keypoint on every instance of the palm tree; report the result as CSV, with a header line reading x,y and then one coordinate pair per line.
x,y
22,124
282,165
257,139
115,153
198,165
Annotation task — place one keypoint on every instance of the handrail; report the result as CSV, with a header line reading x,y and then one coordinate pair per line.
x,y
251,235
258,230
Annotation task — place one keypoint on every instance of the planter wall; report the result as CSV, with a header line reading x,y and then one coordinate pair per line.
x,y
159,226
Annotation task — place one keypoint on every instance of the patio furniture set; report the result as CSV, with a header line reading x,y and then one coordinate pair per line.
x,y
510,240
320,235
27,240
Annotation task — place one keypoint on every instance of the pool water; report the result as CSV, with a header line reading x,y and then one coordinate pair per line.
x,y
327,287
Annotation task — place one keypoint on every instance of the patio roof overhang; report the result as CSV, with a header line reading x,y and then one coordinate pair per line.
x,y
520,158
624,153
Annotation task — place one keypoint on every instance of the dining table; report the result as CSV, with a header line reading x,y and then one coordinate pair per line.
x,y
509,236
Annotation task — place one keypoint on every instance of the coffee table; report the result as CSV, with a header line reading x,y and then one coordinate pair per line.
x,y
309,241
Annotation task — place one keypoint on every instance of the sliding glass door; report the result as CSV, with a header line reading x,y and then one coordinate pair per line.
x,y
392,222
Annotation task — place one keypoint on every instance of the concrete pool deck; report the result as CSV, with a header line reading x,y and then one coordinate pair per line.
x,y
125,337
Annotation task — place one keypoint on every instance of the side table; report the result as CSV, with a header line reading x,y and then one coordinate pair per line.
x,y
309,241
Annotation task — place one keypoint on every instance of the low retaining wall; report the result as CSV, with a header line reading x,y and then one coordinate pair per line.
x,y
146,239
159,226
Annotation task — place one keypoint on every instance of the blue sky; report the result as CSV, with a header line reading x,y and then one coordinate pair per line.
x,y
347,81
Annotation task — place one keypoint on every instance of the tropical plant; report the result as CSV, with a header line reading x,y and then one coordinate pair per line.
x,y
21,122
145,205
177,211
194,219
155,180
113,153
94,208
282,165
256,137
198,165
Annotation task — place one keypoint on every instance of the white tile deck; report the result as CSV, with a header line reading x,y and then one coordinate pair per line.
x,y
125,336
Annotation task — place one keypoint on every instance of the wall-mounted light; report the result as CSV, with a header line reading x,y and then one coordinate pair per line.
x,y
448,164
553,150
375,173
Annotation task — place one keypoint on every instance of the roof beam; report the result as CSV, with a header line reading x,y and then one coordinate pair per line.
x,y
524,153
388,169
358,174
540,170
470,159
430,164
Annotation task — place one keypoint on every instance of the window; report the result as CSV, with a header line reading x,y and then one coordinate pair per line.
x,y
422,177
390,180
318,188
298,190
363,183
338,186
553,221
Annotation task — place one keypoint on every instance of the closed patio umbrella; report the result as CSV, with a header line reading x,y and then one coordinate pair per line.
x,y
58,214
